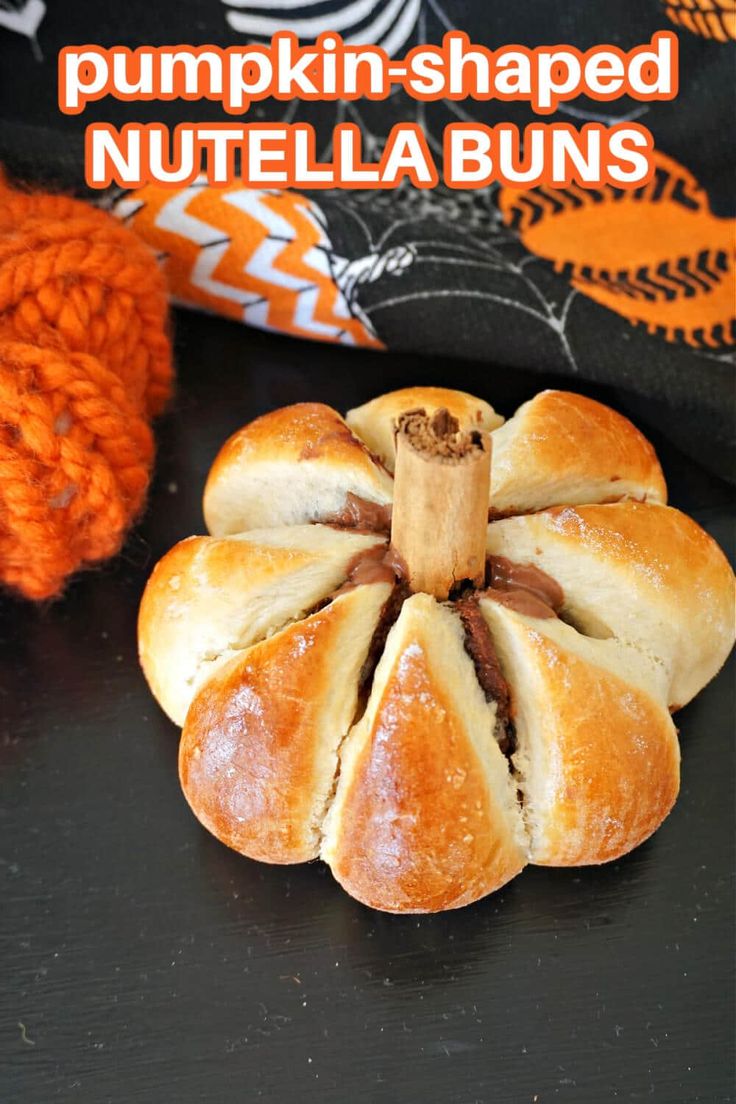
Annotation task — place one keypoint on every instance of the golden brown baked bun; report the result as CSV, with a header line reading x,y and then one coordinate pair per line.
x,y
289,467
561,448
597,758
644,574
209,598
425,816
299,464
258,754
428,750
375,421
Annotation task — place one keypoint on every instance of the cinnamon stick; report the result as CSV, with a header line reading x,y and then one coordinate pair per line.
x,y
441,495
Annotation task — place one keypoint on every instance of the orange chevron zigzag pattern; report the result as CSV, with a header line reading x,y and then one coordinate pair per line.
x,y
657,255
261,257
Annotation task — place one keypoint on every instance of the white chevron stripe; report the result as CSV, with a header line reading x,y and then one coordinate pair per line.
x,y
280,232
304,314
257,315
398,37
338,20
201,276
394,19
315,256
261,266
174,217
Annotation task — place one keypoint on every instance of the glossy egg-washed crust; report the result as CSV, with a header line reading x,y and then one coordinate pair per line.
x,y
374,422
258,753
597,756
291,466
408,797
424,817
643,573
208,599
299,463
561,448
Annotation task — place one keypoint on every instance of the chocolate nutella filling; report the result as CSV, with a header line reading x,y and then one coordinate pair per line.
x,y
440,435
380,564
521,601
388,617
480,647
505,574
361,513
523,587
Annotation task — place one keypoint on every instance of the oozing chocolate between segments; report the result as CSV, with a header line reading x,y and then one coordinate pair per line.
x,y
361,514
522,587
481,649
439,436
380,564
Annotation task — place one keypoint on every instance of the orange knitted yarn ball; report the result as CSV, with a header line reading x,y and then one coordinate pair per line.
x,y
85,362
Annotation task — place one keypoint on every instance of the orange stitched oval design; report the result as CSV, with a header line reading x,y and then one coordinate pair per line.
x,y
657,255
714,19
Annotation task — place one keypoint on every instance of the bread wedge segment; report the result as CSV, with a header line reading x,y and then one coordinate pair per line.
x,y
208,598
597,757
291,466
641,572
258,753
375,421
425,815
565,448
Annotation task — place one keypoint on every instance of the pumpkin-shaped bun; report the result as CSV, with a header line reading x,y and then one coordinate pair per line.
x,y
429,646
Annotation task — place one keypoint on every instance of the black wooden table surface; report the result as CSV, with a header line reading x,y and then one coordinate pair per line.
x,y
143,961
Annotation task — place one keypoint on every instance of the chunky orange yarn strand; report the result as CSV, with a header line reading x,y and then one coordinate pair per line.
x,y
85,363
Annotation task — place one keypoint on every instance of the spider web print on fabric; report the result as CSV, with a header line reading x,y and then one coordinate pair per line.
x,y
448,254
470,256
